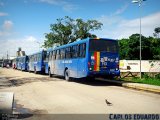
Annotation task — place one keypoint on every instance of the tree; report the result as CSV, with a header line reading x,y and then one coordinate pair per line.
x,y
155,45
68,30
129,48
157,31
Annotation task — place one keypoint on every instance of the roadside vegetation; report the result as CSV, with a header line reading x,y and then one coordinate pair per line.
x,y
146,79
129,48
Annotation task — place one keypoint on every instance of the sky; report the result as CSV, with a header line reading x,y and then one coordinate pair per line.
x,y
23,23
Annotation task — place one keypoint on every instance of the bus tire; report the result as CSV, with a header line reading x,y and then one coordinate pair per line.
x,y
49,72
66,75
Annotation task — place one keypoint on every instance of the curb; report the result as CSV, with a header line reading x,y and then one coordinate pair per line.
x,y
137,86
144,87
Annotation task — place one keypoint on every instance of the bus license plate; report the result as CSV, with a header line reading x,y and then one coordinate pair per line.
x,y
112,69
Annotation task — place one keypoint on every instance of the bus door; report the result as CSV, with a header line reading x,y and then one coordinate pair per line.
x,y
52,61
74,61
82,61
68,62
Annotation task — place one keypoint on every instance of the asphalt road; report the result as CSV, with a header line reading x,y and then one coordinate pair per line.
x,y
40,94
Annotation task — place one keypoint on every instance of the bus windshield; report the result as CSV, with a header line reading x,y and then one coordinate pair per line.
x,y
103,45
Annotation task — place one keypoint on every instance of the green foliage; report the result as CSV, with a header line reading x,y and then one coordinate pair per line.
x,y
145,76
157,76
68,30
129,48
146,79
157,31
150,81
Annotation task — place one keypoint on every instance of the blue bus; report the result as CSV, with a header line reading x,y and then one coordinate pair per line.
x,y
36,62
85,58
22,63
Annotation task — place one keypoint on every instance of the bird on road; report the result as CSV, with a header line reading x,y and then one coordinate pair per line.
x,y
108,103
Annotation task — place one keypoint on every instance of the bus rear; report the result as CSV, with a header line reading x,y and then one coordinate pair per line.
x,y
103,58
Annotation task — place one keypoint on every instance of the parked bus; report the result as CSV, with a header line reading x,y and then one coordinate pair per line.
x,y
36,62
22,63
85,58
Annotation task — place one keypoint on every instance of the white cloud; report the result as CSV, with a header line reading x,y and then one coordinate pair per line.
x,y
69,7
109,20
30,39
55,2
4,33
121,10
7,25
29,44
3,14
116,27
6,28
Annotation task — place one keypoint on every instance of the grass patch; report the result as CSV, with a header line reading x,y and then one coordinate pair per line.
x,y
150,81
146,79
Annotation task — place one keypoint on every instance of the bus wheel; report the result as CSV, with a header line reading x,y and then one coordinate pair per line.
x,y
49,72
66,75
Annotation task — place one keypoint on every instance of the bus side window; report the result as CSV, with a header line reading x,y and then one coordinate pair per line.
x,y
75,51
58,55
62,53
33,58
40,56
54,55
36,56
68,52
44,54
49,56
82,50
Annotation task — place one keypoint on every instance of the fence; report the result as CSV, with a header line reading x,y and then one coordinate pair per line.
x,y
152,66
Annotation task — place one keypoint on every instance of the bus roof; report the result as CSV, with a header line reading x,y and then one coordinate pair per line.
x,y
37,52
77,42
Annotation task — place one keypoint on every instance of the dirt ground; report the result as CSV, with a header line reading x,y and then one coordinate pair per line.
x,y
39,94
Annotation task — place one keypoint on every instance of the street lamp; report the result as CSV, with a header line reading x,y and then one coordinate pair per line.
x,y
139,2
